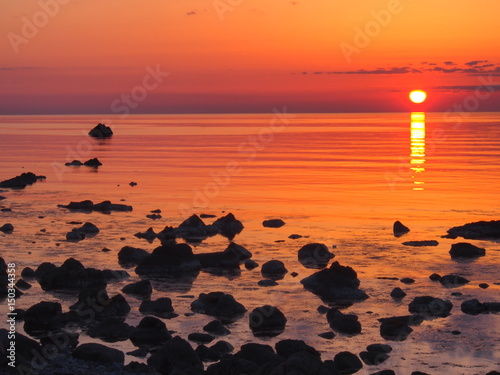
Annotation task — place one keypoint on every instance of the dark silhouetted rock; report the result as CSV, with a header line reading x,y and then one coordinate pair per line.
x,y
194,229
477,230
474,307
72,275
111,330
218,304
7,228
26,350
154,216
140,288
273,223
115,275
99,353
150,333
21,181
95,304
428,306
129,255
421,243
43,316
398,293
85,205
101,131
347,363
379,348
421,373
295,236
28,272
74,163
315,255
250,264
176,357
372,358
466,250
215,327
228,226
200,338
435,277
266,283
239,251
44,268
453,281
384,372
89,228
397,328
343,323
267,321
93,163
75,235
232,365
327,335
149,235
399,229
336,285
258,353
169,259
287,348
274,269
407,280
484,286
21,284
162,308
222,259
105,206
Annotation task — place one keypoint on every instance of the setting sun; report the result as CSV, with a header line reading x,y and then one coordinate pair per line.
x,y
418,96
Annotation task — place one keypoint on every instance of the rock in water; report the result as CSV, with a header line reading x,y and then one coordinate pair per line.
x,y
7,228
228,226
343,323
274,269
421,243
218,304
176,357
99,353
399,229
101,131
169,259
150,333
477,230
428,306
315,255
267,321
453,281
93,163
21,181
273,223
466,250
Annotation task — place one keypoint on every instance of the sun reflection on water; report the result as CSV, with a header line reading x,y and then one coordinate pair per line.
x,y
417,149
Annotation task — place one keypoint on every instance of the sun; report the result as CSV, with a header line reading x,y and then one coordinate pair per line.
x,y
418,96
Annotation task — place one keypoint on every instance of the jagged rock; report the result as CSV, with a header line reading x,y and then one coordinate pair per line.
x,y
267,321
194,228
239,251
111,330
162,308
21,181
129,255
274,269
176,357
215,327
477,231
140,288
337,284
398,293
273,223
99,353
466,250
93,163
315,255
421,243
169,259
71,275
74,163
101,131
149,235
343,323
453,281
7,228
150,333
218,304
399,229
428,306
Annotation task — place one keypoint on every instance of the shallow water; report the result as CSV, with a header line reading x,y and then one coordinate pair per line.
x,y
339,179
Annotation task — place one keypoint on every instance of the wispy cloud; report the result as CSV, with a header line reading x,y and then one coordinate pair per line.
x,y
191,13
467,88
394,70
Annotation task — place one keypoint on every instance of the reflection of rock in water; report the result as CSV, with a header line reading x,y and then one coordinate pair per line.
x,y
179,284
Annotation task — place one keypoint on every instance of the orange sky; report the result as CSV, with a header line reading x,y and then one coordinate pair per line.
x,y
81,56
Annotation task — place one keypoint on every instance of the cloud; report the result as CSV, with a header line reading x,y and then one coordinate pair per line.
x,y
449,63
394,70
490,88
192,13
475,62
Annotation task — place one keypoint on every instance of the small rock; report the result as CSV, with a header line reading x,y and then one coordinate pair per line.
x,y
218,304
399,229
129,255
456,333
157,211
430,306
407,280
466,250
421,243
267,282
267,321
74,163
150,333
398,293
7,228
93,163
21,181
327,335
154,216
89,228
435,277
343,323
201,338
294,274
347,363
484,286
75,236
295,236
315,255
453,281
28,272
140,288
322,309
162,308
273,223
215,327
274,269
250,264
99,353
139,353
373,358
21,284
101,131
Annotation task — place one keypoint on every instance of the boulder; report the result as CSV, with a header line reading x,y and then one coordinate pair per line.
x,y
251,264
407,280
397,328
430,307
129,255
140,288
75,236
218,304
99,353
150,333
343,323
266,283
161,308
26,350
258,353
21,181
194,228
480,230
200,338
222,259
44,268
95,304
453,281
466,250
267,321
239,251
335,285
315,255
273,223
435,277
347,363
274,269
176,357
149,235
7,228
398,293
43,316
228,226
474,307
28,272
111,330
169,259
399,229
101,131
215,327
72,275
287,348
88,228
93,163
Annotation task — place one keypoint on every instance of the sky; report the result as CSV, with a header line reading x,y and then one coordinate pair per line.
x,y
243,56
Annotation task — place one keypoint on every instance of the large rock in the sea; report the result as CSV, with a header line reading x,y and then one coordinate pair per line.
x,y
238,250
315,255
453,281
474,307
343,323
194,229
480,230
44,316
267,321
228,226
169,259
101,131
428,306
105,206
273,223
72,275
150,333
176,357
399,229
21,181
139,288
336,285
95,304
218,304
7,228
221,259
99,353
274,269
347,363
162,308
129,255
466,250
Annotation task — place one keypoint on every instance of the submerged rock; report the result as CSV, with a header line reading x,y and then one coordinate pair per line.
x,y
21,181
337,284
218,304
399,229
267,321
466,250
101,131
273,223
315,255
477,231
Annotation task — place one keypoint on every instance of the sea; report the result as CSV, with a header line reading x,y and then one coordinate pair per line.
x,y
337,179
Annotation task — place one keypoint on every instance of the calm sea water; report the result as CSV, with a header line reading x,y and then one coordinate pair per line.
x,y
340,179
